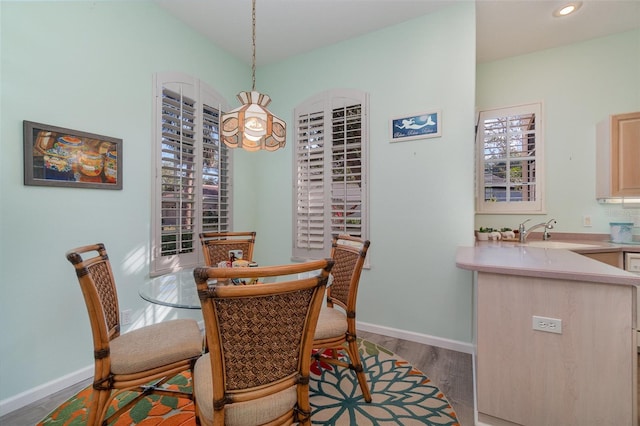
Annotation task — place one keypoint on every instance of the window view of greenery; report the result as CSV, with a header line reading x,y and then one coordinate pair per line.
x,y
330,171
181,142
215,160
346,167
178,173
509,149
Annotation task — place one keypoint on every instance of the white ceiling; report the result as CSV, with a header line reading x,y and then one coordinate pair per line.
x,y
286,28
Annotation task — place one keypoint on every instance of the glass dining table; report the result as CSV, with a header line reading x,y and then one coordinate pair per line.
x,y
177,289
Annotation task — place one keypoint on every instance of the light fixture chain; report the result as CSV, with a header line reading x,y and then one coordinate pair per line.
x,y
253,68
252,126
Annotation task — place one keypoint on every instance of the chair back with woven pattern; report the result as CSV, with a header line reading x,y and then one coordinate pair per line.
x,y
140,361
260,336
338,326
99,290
349,254
216,245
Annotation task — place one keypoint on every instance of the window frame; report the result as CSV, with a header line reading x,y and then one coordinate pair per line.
x,y
208,106
314,242
537,206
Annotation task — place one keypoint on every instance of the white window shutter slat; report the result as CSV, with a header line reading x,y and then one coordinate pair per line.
x,y
191,180
330,168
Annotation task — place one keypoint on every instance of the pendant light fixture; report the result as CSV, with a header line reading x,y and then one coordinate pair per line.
x,y
252,126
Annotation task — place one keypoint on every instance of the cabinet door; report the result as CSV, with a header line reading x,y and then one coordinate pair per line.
x,y
610,258
625,155
585,375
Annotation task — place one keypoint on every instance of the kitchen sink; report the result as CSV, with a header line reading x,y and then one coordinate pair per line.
x,y
559,245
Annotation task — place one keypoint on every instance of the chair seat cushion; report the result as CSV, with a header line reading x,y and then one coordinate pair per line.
x,y
254,412
155,345
332,322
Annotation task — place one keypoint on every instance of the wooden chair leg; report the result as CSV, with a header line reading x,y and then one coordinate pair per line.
x,y
98,406
303,411
192,366
356,363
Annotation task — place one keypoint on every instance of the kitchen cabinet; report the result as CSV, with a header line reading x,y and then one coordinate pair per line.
x,y
555,337
584,375
618,156
632,262
613,258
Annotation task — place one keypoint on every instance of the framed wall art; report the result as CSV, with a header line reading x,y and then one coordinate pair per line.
x,y
417,126
55,156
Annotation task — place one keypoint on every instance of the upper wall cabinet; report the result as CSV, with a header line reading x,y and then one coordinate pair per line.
x,y
618,156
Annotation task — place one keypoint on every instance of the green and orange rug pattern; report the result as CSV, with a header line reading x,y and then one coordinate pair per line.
x,y
401,395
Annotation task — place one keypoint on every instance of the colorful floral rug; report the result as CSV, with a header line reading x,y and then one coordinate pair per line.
x,y
401,395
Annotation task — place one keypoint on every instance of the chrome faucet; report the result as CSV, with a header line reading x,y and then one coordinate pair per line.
x,y
525,233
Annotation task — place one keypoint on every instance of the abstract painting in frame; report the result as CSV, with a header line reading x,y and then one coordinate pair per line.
x,y
55,156
417,126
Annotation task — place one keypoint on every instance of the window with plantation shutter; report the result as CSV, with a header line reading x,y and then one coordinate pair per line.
x,y
510,153
191,174
330,170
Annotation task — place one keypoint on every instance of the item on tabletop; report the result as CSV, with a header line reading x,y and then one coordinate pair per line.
x,y
482,234
507,234
241,263
621,232
237,254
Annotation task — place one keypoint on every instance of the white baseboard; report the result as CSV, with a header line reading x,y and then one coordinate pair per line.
x,y
411,336
34,394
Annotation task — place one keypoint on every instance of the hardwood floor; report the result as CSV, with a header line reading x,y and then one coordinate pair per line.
x,y
450,370
33,413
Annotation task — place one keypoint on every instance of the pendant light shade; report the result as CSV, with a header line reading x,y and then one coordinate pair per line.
x,y
252,126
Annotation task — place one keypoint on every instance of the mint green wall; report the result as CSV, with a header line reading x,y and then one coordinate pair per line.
x,y
89,66
85,66
579,85
421,192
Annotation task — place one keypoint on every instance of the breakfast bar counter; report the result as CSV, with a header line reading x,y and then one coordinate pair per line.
x,y
522,260
555,337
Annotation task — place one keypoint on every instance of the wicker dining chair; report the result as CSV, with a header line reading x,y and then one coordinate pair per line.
x,y
141,360
337,326
216,245
259,338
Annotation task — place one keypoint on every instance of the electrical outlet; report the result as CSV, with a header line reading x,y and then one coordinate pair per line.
x,y
125,316
550,325
586,221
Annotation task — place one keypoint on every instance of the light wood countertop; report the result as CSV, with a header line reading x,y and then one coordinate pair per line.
x,y
521,260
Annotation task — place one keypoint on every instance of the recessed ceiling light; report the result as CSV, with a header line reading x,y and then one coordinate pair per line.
x,y
567,9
